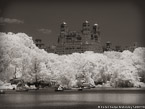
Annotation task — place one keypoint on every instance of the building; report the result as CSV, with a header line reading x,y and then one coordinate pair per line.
x,y
39,43
50,49
118,48
131,48
88,39
108,46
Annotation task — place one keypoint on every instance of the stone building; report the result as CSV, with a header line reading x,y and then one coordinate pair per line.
x,y
39,43
108,46
118,48
88,39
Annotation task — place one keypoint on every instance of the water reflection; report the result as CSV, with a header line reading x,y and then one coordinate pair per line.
x,y
50,99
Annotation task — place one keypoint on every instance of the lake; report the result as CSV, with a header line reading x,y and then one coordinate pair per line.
x,y
87,99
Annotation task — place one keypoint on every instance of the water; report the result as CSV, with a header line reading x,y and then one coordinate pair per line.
x,y
70,100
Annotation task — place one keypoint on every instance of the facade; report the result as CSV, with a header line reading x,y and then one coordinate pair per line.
x,y
50,49
118,48
39,43
88,39
108,46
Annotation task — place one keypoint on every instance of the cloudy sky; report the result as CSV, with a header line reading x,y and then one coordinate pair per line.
x,y
121,21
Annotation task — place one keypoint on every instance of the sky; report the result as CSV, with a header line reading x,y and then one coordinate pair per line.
x,y
121,21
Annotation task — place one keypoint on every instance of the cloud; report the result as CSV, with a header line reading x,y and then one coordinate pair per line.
x,y
10,21
45,31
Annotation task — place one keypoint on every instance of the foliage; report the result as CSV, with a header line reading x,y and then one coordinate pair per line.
x,y
20,58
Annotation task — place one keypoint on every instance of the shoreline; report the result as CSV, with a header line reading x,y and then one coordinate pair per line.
x,y
93,90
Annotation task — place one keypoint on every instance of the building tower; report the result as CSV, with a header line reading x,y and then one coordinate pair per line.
x,y
63,27
95,33
86,27
63,33
108,46
86,32
39,43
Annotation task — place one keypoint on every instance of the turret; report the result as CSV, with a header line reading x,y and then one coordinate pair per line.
x,y
63,27
96,29
63,33
108,44
86,27
95,33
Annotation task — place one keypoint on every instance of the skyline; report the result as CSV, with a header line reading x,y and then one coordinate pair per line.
x,y
121,22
